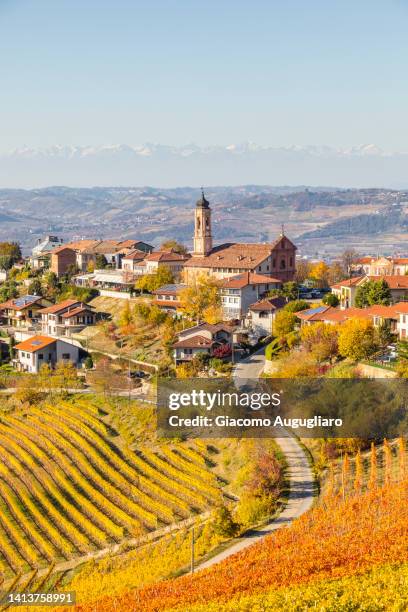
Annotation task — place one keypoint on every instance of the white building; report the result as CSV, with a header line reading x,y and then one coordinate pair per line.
x,y
31,354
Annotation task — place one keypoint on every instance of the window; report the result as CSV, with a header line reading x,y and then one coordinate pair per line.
x,y
282,264
291,261
40,356
273,263
267,267
259,268
66,356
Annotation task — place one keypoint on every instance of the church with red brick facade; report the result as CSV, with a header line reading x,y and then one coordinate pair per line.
x,y
275,259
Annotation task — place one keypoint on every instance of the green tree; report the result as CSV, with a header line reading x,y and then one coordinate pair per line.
x,y
290,290
100,261
8,291
10,253
296,306
373,292
35,287
330,300
357,339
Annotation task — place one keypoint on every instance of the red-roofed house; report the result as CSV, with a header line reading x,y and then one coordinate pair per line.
x,y
22,312
32,353
174,261
66,318
239,292
202,338
261,315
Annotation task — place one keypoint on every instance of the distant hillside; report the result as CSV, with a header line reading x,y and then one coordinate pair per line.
x,y
371,224
247,213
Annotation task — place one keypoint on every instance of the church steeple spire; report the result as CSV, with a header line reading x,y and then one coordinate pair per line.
x,y
202,230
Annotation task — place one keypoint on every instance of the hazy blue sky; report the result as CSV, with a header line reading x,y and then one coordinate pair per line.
x,y
211,72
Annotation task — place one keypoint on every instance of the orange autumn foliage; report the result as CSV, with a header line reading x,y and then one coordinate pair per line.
x,y
339,538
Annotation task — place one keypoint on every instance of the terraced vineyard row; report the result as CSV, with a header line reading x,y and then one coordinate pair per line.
x,y
66,489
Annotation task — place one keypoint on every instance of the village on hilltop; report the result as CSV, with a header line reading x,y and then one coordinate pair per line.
x,y
170,310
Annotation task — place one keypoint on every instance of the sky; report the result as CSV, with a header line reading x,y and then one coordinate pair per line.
x,y
78,72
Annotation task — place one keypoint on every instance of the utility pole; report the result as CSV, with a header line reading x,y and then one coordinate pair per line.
x,y
192,551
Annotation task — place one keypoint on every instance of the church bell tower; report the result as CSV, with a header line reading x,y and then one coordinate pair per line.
x,y
202,230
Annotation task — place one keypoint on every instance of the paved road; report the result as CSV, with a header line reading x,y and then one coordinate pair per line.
x,y
299,473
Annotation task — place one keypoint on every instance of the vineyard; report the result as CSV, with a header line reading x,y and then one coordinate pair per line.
x,y
68,488
356,536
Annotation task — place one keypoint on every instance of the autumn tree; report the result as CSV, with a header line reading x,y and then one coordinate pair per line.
x,y
303,269
357,339
151,282
336,273
348,258
284,323
320,274
201,299
321,340
299,364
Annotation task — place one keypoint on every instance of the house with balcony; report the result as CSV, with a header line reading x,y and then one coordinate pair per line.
x,y
66,318
23,312
239,292
36,351
203,338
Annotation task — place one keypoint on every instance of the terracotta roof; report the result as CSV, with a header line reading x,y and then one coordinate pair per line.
x,y
401,307
124,244
136,254
349,282
248,278
364,260
400,260
313,314
269,304
233,255
379,310
238,255
81,245
21,302
58,307
166,256
394,282
76,311
196,341
34,344
61,249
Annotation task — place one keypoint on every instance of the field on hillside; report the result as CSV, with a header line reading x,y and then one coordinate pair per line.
x,y
70,486
353,538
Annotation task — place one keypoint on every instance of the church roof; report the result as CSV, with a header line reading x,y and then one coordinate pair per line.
x,y
202,202
237,255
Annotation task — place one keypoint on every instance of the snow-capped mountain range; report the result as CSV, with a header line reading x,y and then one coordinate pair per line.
x,y
162,165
